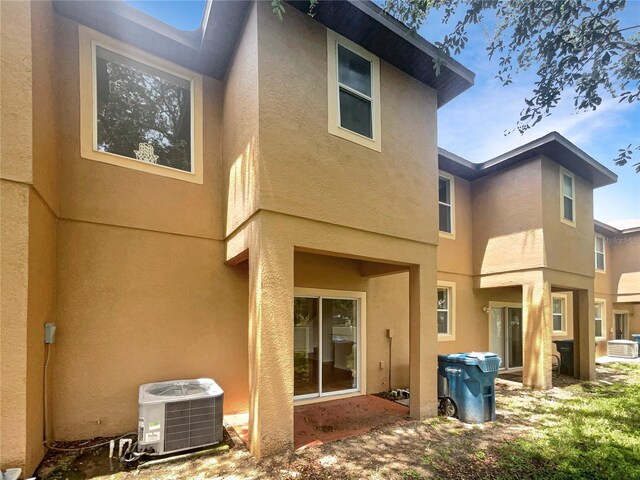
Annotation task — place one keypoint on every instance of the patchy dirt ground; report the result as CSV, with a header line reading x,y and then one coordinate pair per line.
x,y
435,448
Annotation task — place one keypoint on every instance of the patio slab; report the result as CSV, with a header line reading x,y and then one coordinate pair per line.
x,y
607,359
319,423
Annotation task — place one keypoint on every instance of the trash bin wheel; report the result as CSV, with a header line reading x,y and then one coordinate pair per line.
x,y
447,407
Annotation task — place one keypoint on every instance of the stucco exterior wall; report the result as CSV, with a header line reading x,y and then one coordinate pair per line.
x,y
507,217
14,255
28,163
107,194
567,248
142,284
388,308
135,307
240,135
625,267
455,255
307,172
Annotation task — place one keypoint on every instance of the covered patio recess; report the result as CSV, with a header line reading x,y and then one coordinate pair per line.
x,y
526,344
308,327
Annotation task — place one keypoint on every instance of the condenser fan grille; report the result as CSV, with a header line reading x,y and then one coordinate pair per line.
x,y
178,389
190,423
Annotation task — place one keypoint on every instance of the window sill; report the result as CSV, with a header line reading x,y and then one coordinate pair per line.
x,y
558,333
442,337
450,236
568,222
600,271
601,339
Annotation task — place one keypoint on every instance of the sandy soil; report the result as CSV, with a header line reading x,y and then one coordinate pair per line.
x,y
435,448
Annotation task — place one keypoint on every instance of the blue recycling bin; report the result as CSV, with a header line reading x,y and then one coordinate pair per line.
x,y
468,380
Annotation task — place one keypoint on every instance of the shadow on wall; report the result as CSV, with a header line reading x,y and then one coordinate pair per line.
x,y
514,251
242,188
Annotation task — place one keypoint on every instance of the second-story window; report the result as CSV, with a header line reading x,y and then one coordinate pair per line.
x,y
354,92
445,203
139,111
567,185
354,84
600,265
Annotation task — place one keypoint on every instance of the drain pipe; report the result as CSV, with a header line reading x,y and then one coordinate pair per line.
x,y
390,337
49,338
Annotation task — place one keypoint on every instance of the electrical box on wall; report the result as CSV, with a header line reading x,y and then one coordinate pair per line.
x,y
49,332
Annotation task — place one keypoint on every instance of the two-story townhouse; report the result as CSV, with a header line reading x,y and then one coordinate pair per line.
x,y
515,259
170,198
617,283
264,203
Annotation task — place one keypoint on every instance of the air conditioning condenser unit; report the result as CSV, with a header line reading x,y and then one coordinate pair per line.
x,y
622,348
179,415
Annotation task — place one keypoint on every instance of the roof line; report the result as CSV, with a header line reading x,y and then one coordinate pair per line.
x,y
416,40
609,228
546,139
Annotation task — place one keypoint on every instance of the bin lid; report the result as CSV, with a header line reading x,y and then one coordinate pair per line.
x,y
469,358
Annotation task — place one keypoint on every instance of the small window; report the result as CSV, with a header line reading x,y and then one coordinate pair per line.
x,y
567,186
446,310
559,315
600,241
354,92
139,111
445,203
599,319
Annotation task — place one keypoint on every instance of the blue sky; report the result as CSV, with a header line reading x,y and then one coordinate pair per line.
x,y
473,124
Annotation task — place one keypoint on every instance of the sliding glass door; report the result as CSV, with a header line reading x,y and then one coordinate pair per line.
x,y
505,335
326,333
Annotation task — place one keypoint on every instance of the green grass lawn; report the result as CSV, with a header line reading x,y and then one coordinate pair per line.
x,y
594,434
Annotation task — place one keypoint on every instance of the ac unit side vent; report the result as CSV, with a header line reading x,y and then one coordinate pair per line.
x,y
190,423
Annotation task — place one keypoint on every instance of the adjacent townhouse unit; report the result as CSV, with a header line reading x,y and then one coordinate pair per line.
x,y
263,202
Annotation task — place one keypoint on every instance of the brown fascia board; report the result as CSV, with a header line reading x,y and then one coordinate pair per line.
x,y
553,146
367,24
209,49
608,230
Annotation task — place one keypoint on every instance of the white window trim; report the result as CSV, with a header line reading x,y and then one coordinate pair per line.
x,y
451,336
362,340
333,40
573,199
625,332
604,253
452,199
604,318
88,40
564,299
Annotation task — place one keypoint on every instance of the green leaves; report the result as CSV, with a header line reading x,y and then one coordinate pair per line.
x,y
575,46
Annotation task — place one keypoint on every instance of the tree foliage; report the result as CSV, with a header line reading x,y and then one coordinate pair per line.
x,y
135,106
575,46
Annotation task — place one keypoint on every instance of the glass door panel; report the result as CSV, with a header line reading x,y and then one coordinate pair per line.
x,y
339,345
620,326
306,346
496,333
514,325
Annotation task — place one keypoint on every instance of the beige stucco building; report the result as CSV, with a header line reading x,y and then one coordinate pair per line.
x,y
283,222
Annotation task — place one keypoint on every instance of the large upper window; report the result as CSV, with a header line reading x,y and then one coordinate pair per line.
x,y
559,313
600,265
141,112
354,92
445,203
568,184
446,310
